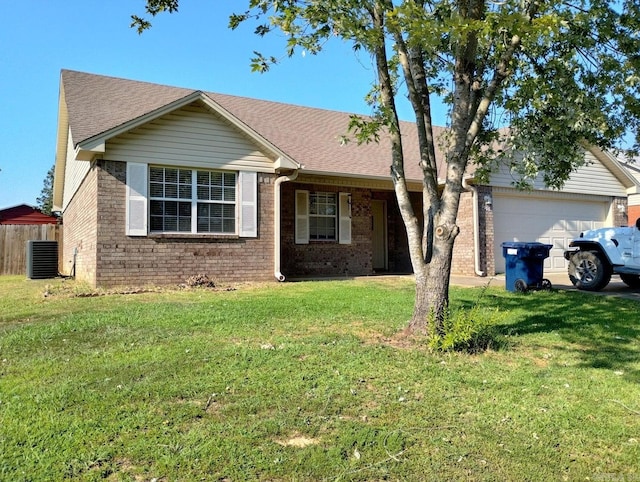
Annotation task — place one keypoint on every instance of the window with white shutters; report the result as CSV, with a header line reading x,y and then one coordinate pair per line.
x,y
178,200
323,216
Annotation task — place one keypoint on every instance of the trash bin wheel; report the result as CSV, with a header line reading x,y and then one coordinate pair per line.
x,y
546,284
520,285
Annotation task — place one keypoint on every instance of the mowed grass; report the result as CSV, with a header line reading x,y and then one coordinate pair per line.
x,y
308,381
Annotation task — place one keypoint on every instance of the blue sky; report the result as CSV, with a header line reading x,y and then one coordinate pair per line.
x,y
193,49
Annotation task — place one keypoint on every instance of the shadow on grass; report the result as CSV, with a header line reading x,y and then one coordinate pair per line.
x,y
602,332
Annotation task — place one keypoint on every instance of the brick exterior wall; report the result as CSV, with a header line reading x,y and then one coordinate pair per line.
x,y
95,226
632,215
334,259
626,216
321,258
327,258
463,262
121,260
486,229
80,229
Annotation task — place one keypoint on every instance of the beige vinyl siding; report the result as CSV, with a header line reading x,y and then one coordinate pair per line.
x,y
74,172
593,178
191,137
633,200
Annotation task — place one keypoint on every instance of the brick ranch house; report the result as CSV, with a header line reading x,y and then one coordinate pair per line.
x,y
158,183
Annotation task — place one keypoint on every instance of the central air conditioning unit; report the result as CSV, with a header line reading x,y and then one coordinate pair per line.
x,y
42,259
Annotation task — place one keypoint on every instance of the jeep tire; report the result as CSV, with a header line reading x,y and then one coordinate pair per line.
x,y
631,280
588,271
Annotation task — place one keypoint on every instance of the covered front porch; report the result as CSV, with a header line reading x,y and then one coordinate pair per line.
x,y
361,238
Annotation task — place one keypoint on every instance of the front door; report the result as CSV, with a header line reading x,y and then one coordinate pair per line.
x,y
379,234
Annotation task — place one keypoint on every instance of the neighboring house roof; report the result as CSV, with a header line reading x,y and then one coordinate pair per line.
x,y
633,168
617,168
25,214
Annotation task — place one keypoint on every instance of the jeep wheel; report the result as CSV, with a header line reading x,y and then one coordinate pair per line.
x,y
587,271
631,280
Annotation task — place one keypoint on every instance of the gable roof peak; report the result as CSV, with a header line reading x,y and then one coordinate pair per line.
x,y
97,103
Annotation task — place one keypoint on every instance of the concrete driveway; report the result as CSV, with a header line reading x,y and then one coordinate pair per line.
x,y
559,281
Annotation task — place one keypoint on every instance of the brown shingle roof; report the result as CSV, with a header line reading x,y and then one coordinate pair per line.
x,y
310,136
97,104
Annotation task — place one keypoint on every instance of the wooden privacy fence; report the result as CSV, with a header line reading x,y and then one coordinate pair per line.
x,y
13,244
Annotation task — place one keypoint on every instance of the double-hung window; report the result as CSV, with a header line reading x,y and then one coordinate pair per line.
x,y
170,199
192,201
216,202
323,216
323,212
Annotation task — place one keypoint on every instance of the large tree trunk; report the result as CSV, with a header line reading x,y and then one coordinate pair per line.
x,y
432,285
430,245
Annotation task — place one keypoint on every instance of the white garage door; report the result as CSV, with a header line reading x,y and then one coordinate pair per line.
x,y
549,221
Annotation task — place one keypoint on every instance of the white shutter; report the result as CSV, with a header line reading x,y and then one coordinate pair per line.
x,y
136,212
302,217
344,216
248,184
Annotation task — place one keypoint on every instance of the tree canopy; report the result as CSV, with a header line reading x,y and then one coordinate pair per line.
x,y
45,200
527,82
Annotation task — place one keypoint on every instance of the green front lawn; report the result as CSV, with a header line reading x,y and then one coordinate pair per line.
x,y
307,381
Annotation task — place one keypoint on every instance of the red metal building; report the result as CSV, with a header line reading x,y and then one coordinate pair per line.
x,y
25,214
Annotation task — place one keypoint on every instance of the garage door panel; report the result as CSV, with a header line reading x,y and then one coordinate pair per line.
x,y
558,263
554,222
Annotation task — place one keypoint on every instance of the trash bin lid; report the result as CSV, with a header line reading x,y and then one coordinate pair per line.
x,y
522,244
525,249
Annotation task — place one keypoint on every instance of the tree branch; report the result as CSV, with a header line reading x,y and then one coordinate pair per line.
x,y
500,74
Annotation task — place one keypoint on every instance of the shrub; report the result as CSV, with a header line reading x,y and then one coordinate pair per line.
x,y
472,330
200,280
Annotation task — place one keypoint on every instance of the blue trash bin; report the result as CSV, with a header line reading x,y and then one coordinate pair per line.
x,y
524,265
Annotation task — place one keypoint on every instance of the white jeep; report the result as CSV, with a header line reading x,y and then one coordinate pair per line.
x,y
600,253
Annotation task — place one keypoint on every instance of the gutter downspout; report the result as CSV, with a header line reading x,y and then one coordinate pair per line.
x,y
276,223
476,227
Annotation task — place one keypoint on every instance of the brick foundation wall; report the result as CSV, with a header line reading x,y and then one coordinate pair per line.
x,y
79,231
162,260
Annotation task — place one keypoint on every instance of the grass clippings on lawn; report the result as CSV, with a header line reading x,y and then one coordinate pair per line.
x,y
301,381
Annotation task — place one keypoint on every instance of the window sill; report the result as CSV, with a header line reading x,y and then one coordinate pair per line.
x,y
208,237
